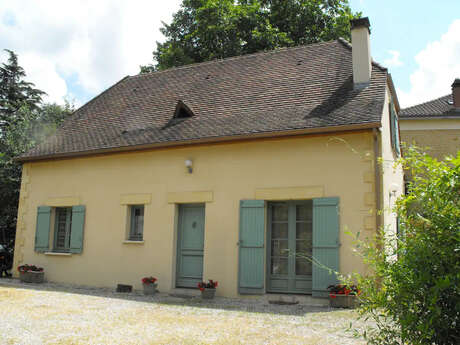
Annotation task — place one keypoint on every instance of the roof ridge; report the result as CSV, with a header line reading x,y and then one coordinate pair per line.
x,y
273,51
424,103
350,46
100,94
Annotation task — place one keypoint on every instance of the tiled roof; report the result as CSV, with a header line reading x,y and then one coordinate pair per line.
x,y
442,107
288,89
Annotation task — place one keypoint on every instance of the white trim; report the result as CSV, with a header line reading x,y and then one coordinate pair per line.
x,y
58,254
428,124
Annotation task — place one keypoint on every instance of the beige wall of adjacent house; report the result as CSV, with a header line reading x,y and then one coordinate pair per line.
x,y
223,174
438,137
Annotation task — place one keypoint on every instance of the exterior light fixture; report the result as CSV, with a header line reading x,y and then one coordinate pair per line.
x,y
189,165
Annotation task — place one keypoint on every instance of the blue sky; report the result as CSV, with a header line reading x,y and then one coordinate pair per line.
x,y
76,49
407,27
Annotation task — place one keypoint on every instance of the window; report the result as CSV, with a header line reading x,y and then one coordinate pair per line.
x,y
63,225
62,229
136,229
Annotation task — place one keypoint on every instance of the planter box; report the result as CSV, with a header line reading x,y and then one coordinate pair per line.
x,y
150,289
32,277
343,301
208,293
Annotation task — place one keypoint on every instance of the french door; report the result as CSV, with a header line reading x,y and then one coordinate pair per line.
x,y
290,235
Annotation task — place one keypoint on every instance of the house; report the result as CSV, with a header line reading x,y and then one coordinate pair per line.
x,y
434,125
234,170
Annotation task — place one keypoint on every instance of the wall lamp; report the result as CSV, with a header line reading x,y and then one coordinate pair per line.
x,y
189,165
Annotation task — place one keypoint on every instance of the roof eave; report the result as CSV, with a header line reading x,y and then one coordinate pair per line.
x,y
210,140
434,117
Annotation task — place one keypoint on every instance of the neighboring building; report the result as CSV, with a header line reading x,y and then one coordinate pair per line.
x,y
434,125
214,170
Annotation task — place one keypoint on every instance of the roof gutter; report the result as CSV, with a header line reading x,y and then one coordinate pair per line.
x,y
443,117
210,140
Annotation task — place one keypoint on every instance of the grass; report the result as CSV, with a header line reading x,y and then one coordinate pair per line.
x,y
58,317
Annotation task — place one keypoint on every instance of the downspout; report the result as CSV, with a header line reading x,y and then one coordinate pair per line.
x,y
377,177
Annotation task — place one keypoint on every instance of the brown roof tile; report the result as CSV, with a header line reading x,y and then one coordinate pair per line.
x,y
440,107
295,88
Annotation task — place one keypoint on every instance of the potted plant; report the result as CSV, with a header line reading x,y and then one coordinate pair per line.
x,y
150,285
31,274
208,290
343,296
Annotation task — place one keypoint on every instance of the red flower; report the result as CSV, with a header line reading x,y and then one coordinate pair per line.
x,y
149,280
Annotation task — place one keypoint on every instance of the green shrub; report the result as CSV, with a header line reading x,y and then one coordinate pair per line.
x,y
413,293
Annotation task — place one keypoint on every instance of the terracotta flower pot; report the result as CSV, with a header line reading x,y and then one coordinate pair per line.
x,y
343,301
208,293
149,288
31,277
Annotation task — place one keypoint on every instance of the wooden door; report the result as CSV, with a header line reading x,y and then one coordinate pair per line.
x,y
190,244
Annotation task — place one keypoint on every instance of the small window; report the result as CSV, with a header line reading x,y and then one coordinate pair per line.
x,y
62,229
136,230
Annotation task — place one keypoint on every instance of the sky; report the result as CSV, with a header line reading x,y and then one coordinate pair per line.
x,y
73,50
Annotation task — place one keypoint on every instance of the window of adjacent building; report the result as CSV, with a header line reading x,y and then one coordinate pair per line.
x,y
136,229
62,228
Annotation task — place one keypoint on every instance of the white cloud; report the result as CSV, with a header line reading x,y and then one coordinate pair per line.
x,y
93,43
394,61
438,66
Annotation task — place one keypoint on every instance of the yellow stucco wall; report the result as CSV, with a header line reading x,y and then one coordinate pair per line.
x,y
392,182
223,174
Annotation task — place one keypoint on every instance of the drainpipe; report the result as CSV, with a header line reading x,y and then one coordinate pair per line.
x,y
377,177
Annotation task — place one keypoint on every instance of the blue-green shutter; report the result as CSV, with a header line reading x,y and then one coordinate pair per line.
x,y
394,130
325,244
78,225
42,232
251,247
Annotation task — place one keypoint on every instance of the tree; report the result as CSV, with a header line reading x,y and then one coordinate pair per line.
x,y
24,122
15,92
413,293
204,30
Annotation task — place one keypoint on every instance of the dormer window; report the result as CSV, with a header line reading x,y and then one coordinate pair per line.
x,y
182,111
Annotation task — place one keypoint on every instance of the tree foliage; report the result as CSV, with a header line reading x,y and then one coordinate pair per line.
x,y
413,294
24,121
204,30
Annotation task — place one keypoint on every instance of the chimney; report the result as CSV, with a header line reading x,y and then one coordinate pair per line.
x,y
361,52
456,93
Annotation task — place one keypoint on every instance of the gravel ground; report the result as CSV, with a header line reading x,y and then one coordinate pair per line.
x,y
62,314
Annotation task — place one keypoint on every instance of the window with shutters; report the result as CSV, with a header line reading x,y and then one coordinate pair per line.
x,y
62,229
136,229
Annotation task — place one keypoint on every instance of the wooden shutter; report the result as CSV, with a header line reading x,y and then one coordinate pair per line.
x,y
78,225
325,244
394,130
251,247
42,232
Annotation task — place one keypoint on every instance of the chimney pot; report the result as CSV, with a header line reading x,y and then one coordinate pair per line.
x,y
456,93
361,52
356,23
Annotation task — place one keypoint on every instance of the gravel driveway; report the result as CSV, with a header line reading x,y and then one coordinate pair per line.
x,y
61,314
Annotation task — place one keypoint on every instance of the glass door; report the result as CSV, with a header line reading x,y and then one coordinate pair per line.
x,y
289,253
